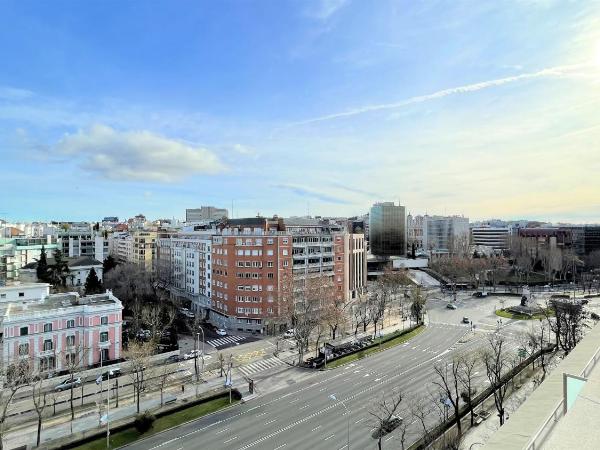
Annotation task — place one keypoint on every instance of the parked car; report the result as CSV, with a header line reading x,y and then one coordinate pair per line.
x,y
172,359
451,306
289,333
466,320
387,427
67,384
480,294
584,301
221,332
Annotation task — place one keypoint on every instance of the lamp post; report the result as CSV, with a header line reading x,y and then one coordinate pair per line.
x,y
334,398
198,337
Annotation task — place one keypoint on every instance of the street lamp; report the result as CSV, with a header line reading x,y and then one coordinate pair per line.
x,y
334,398
198,337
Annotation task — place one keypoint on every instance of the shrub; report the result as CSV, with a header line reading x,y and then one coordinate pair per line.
x,y
595,316
143,422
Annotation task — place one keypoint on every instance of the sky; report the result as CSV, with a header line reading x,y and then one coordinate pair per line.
x,y
294,107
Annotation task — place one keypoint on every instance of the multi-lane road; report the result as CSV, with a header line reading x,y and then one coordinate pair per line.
x,y
303,416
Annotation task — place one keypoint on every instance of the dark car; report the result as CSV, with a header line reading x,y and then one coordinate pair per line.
x,y
480,294
387,427
466,320
173,359
114,373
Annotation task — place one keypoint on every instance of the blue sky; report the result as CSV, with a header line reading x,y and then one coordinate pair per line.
x,y
487,109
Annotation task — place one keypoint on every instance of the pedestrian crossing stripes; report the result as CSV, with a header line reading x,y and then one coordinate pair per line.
x,y
259,366
227,340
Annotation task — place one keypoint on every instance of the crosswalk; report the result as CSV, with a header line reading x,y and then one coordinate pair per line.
x,y
225,341
259,366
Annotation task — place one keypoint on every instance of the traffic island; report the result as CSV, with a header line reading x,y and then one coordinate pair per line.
x,y
508,314
377,345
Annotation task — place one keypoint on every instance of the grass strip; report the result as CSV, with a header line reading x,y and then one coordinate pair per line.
x,y
383,344
161,424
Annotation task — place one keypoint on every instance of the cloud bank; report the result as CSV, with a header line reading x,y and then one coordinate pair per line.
x,y
137,155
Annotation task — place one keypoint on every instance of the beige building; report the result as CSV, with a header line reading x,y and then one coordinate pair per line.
x,y
138,247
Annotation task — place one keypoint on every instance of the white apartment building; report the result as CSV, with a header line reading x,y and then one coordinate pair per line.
x,y
82,240
205,213
495,238
184,266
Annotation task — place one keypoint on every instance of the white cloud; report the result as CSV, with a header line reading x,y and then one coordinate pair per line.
x,y
137,155
558,71
323,9
12,93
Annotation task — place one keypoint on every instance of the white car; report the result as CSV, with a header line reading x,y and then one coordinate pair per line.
x,y
289,333
221,332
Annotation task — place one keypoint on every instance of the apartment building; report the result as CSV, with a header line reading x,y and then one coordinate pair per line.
x,y
137,247
205,213
18,252
51,330
183,265
495,238
83,240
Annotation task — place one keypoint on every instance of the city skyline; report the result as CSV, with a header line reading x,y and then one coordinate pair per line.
x,y
289,107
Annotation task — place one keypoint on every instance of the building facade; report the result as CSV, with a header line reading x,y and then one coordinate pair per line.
x,y
387,229
136,247
205,213
54,331
495,238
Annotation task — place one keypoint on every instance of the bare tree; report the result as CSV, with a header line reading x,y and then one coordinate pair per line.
x,y
377,306
419,299
16,375
448,380
420,408
466,375
38,396
566,323
163,377
362,312
496,364
335,314
138,354
383,415
74,363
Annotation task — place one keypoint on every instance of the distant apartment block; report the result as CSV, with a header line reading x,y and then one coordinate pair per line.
x,y
137,247
81,240
205,213
17,252
52,330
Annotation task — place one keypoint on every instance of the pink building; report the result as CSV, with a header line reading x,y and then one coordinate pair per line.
x,y
52,329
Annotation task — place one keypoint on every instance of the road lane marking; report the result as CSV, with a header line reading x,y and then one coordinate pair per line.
x,y
270,421
305,406
282,445
316,428
262,413
360,420
222,431
295,400
230,439
329,437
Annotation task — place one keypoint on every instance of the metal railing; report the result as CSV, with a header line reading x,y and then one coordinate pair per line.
x,y
538,438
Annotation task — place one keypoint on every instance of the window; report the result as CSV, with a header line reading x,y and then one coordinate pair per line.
x,y
104,336
47,345
269,263
104,320
270,275
269,240
285,240
70,341
23,349
2,295
284,252
24,332
285,264
269,252
21,294
47,327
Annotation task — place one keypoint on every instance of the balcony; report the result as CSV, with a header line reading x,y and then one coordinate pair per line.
x,y
44,353
104,344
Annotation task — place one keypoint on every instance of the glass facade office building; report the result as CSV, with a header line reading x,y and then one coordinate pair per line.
x,y
387,229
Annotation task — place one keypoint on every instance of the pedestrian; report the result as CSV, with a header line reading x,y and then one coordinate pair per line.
x,y
182,388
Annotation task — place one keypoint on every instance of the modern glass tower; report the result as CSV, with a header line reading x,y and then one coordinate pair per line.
x,y
387,229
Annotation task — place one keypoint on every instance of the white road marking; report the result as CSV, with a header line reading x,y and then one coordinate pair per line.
x,y
282,445
305,406
222,431
262,414
316,428
230,439
270,421
329,437
360,420
295,400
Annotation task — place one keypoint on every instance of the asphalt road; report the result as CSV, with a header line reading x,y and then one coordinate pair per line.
x,y
302,416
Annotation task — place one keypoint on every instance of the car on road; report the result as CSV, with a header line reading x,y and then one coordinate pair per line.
x,y
466,320
480,294
192,354
221,332
289,333
172,359
387,426
451,306
67,384
114,373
